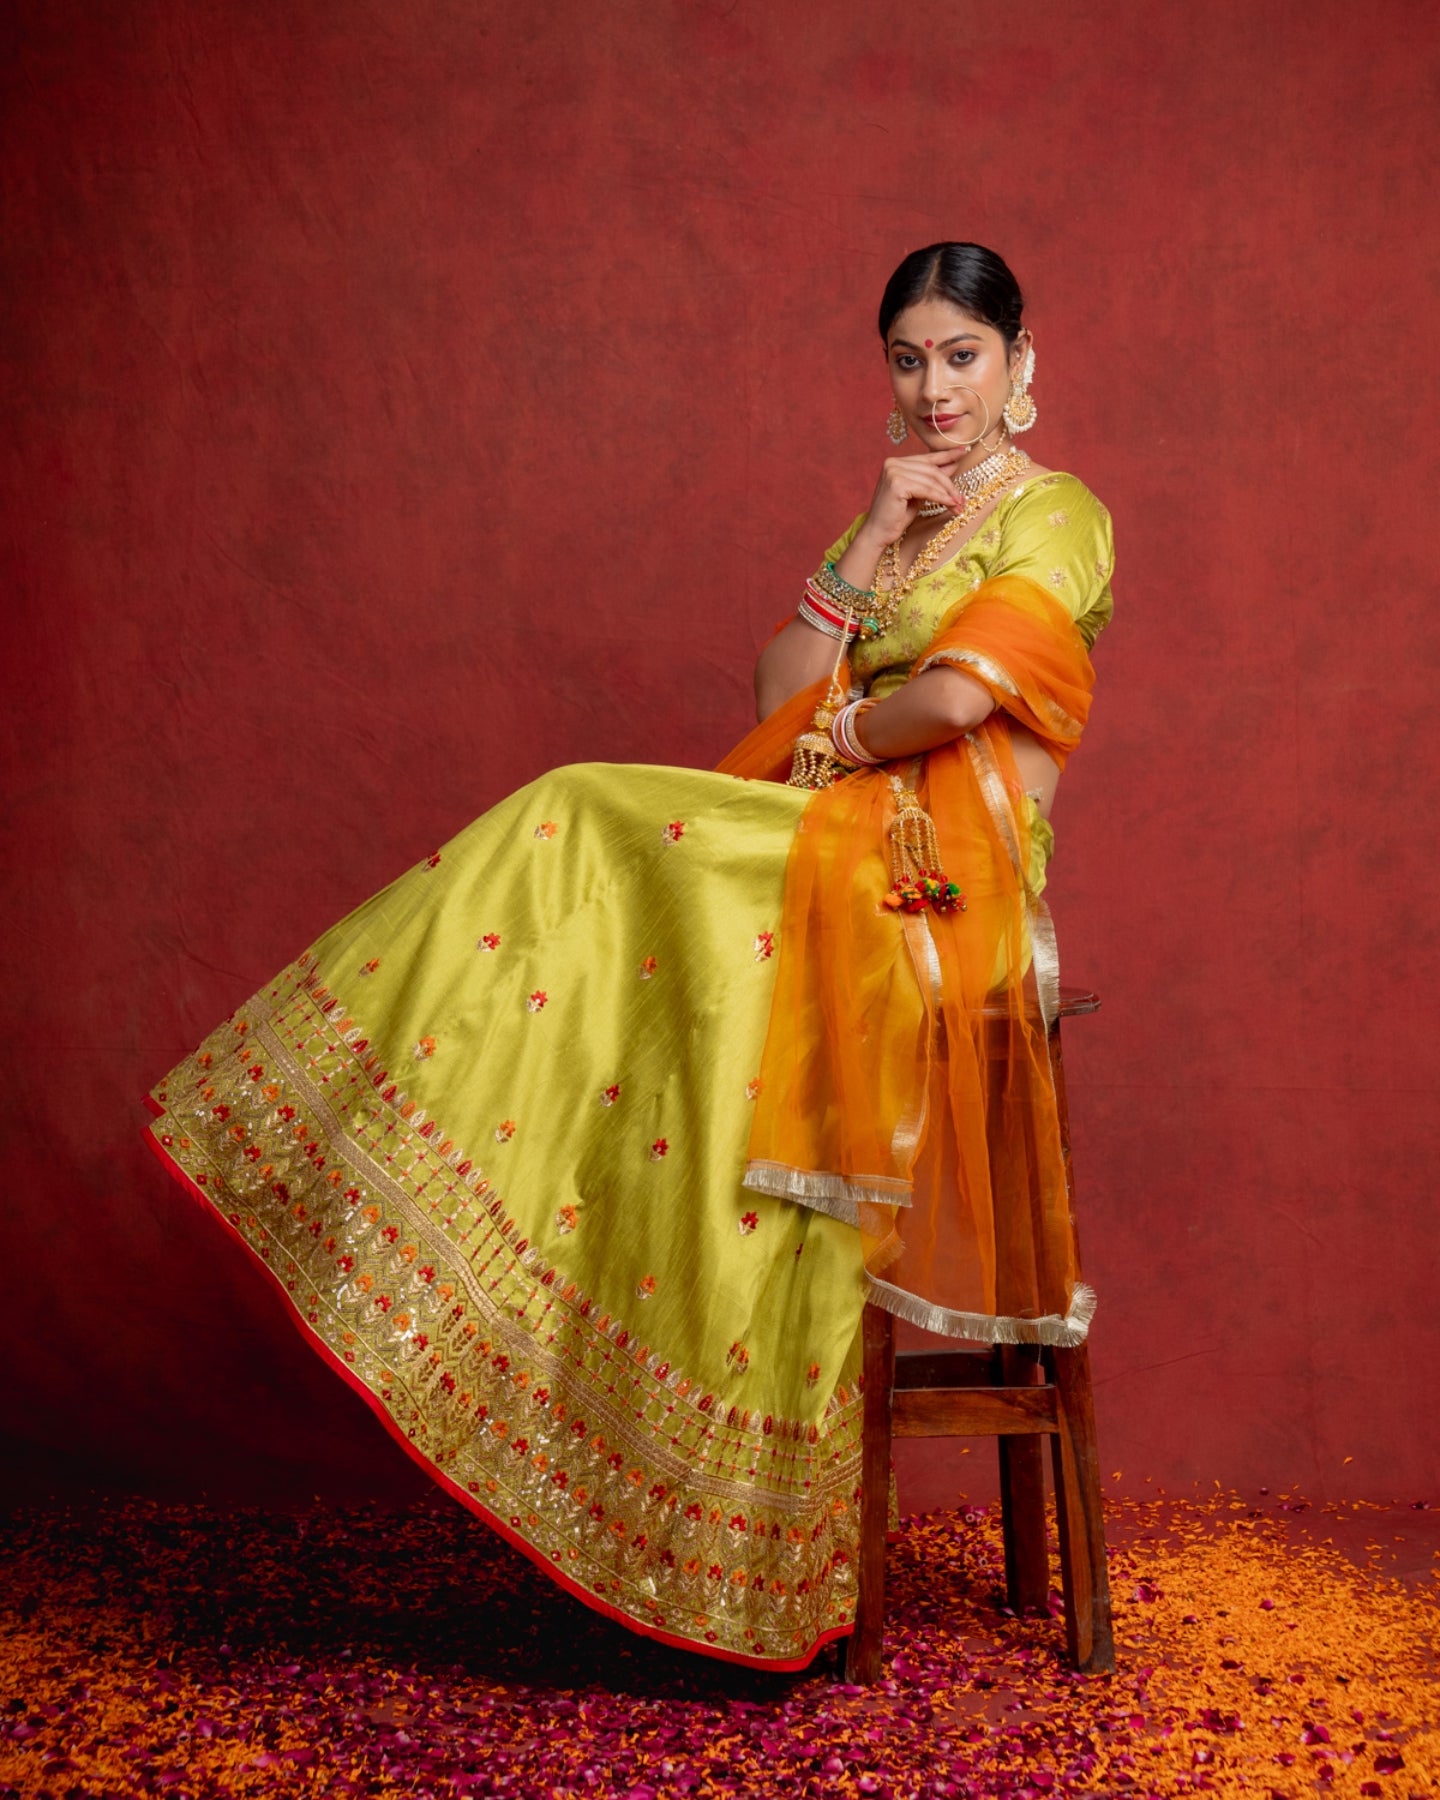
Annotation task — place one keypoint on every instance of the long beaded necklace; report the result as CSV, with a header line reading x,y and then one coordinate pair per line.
x,y
891,587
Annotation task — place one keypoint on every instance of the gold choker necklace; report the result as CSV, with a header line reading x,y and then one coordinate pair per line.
x,y
968,480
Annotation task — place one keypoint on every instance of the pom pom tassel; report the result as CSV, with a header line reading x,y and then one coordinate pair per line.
x,y
919,880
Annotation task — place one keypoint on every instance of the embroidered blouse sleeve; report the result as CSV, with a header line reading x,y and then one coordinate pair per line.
x,y
1058,534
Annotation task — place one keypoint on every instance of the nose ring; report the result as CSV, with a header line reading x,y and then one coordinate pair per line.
x,y
964,443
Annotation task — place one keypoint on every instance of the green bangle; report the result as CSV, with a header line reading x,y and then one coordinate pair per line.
x,y
839,589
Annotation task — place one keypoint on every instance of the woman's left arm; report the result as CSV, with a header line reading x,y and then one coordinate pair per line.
x,y
930,709
1058,534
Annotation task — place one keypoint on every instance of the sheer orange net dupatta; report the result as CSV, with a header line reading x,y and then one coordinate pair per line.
x,y
906,1083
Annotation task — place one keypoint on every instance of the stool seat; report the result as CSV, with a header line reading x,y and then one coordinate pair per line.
x,y
1018,1394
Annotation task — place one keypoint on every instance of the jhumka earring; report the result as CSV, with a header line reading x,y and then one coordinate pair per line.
x,y
1020,411
895,427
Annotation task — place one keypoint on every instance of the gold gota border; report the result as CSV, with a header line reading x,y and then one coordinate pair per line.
x,y
711,1550
986,1328
685,1390
486,1205
532,1281
1044,951
1045,960
925,961
996,797
822,1191
998,676
925,965
356,1038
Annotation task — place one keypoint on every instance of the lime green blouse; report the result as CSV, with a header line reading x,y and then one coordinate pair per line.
x,y
1050,529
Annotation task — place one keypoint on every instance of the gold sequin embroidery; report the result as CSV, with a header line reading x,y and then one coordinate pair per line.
x,y
556,1417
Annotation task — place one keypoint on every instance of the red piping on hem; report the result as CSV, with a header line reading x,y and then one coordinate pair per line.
x,y
787,1665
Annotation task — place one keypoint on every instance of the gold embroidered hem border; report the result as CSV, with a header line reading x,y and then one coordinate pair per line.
x,y
696,1518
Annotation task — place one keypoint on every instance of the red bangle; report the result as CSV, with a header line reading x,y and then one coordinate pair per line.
x,y
818,609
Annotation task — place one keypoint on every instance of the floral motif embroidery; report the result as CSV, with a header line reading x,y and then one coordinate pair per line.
x,y
504,1131
546,829
490,941
659,1149
425,1049
673,832
433,862
566,1220
648,968
748,1223
753,1088
505,1411
609,1095
536,1000
1058,518
812,1374
764,945
1059,579
1102,568
645,1288
370,967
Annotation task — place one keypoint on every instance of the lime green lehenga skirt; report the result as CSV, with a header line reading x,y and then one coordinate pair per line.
x,y
488,1136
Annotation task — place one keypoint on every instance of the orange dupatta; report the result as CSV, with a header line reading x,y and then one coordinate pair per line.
x,y
906,1078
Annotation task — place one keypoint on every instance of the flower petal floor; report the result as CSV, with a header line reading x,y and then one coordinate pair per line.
x,y
1266,1648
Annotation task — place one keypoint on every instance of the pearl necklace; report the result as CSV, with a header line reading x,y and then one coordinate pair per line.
x,y
968,480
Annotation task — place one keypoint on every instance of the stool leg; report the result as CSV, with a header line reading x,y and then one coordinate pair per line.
x,y
1022,1493
862,1657
1088,1634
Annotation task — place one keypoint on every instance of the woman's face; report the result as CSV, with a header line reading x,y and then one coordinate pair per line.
x,y
950,373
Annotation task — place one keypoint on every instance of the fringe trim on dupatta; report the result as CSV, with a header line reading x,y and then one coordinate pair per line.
x,y
985,1328
824,1192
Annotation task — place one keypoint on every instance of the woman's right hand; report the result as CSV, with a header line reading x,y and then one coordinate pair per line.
x,y
906,483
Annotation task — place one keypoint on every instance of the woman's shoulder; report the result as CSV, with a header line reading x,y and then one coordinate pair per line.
x,y
1057,532
846,537
1056,487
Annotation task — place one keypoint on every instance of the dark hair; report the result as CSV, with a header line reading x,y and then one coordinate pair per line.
x,y
970,276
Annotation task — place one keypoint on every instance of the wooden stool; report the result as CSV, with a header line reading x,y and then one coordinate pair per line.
x,y
1017,1394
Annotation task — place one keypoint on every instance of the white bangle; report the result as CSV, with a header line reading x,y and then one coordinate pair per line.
x,y
812,616
842,735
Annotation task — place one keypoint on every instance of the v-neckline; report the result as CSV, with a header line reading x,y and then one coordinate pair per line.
x,y
989,519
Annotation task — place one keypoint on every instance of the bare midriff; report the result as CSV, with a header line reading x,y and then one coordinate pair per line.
x,y
1035,767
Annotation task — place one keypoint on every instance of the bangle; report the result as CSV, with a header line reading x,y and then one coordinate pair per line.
x,y
832,627
851,599
817,610
842,735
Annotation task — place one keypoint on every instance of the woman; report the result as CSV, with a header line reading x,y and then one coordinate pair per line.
x,y
579,1149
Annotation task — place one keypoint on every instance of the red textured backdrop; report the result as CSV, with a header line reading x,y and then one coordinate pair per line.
x,y
404,399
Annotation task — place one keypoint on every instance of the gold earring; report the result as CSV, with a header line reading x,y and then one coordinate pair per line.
x,y
1020,411
895,427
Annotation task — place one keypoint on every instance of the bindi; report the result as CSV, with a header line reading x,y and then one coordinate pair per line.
x,y
929,343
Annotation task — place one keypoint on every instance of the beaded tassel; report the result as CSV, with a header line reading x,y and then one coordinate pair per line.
x,y
919,881
817,762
